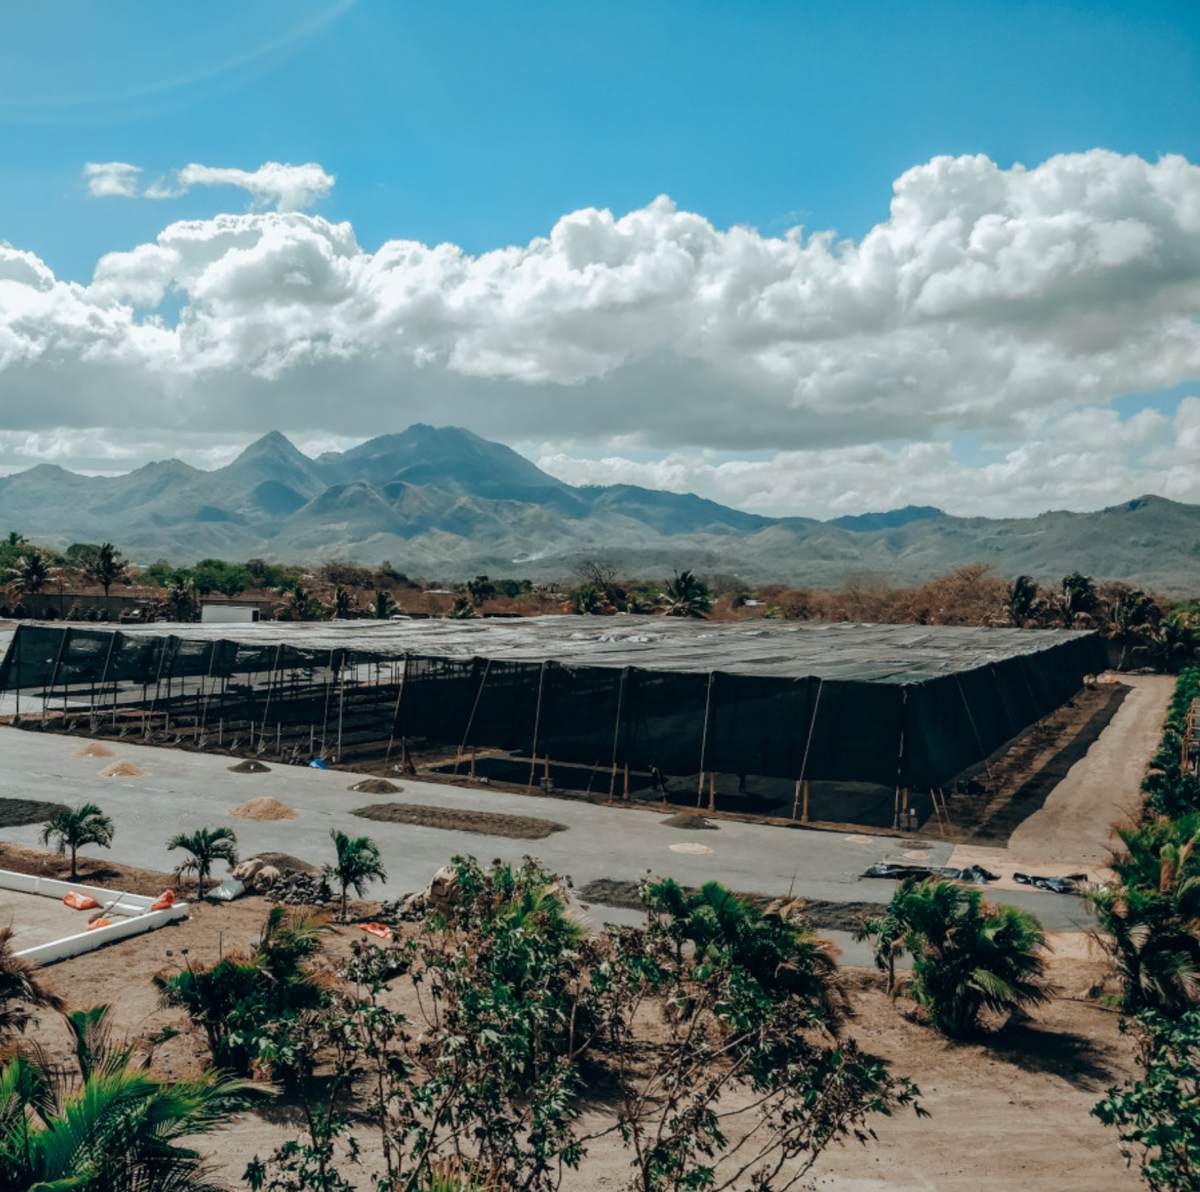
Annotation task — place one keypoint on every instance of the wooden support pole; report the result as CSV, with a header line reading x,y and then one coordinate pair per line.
x,y
626,794
896,812
712,791
933,794
472,763
804,817
546,774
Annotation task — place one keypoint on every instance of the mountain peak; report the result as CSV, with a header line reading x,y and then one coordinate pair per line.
x,y
273,445
445,457
891,520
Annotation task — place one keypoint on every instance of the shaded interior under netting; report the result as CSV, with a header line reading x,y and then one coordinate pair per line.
x,y
821,704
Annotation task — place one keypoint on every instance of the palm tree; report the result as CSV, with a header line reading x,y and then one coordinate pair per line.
x,y
1132,614
343,603
358,863
587,600
236,1000
1177,642
967,955
181,599
113,1126
686,596
1149,922
887,931
1021,600
206,846
781,953
301,605
19,985
87,824
383,605
1078,599
106,566
32,572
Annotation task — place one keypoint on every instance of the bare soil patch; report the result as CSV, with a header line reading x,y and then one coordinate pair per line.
x,y
1021,780
483,823
824,915
689,823
14,812
93,871
264,808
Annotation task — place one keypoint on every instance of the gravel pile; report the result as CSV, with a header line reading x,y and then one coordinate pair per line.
x,y
294,888
249,766
376,786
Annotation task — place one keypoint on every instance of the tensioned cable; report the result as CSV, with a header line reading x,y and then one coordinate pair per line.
x,y
812,724
487,665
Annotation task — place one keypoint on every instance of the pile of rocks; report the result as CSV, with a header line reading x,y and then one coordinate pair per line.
x,y
294,888
438,898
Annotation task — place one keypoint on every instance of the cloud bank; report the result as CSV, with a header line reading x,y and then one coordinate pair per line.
x,y
1011,304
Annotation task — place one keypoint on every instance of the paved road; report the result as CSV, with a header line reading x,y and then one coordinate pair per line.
x,y
183,791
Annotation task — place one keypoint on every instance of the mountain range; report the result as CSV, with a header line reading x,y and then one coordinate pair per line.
x,y
443,502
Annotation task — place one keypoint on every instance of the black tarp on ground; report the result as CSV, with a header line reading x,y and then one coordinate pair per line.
x,y
894,705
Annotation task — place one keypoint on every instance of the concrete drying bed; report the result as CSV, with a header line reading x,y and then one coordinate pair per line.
x,y
46,929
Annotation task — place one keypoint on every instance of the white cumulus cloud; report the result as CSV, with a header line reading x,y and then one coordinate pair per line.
x,y
998,302
274,184
112,178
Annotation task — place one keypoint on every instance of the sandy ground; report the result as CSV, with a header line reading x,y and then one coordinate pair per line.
x,y
1008,1112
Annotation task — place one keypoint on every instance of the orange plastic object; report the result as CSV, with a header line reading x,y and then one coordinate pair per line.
x,y
100,923
80,902
164,900
379,929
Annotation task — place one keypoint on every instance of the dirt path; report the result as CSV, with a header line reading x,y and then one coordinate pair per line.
x,y
1071,831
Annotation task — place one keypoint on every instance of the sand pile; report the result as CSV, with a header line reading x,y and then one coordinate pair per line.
x,y
376,786
264,808
122,770
94,749
693,823
249,766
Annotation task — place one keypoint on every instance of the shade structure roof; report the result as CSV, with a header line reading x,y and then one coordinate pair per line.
x,y
831,650
904,704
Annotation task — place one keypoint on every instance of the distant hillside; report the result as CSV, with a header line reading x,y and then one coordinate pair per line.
x,y
444,502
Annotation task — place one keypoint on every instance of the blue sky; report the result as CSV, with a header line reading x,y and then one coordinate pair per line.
x,y
482,126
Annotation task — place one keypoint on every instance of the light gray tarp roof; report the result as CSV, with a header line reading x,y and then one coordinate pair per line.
x,y
829,650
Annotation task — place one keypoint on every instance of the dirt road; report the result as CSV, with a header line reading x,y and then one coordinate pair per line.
x,y
1072,832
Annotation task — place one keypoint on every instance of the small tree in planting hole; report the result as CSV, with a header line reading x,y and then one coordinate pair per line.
x,y
87,824
206,846
358,863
